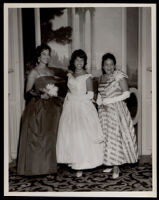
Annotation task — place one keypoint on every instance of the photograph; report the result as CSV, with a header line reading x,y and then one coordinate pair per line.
x,y
80,100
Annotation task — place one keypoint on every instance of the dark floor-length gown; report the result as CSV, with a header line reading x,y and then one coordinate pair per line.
x,y
39,125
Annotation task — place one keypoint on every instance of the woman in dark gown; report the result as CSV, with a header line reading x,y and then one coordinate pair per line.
x,y
37,144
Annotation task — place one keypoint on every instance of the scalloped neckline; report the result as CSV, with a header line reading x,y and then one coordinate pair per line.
x,y
77,76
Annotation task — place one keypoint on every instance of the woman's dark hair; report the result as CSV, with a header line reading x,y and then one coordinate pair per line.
x,y
38,51
105,57
77,53
34,61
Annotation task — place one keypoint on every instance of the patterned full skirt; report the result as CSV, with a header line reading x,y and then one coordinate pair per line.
x,y
120,138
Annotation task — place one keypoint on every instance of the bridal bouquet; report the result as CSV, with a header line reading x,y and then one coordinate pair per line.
x,y
51,90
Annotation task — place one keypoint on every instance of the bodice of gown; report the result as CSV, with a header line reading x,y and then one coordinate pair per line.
x,y
77,86
112,88
42,81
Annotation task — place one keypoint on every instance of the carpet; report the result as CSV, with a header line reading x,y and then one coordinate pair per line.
x,y
136,177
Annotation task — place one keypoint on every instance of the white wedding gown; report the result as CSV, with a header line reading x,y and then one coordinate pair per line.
x,y
79,140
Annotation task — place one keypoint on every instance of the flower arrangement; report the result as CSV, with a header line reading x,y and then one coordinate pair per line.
x,y
51,90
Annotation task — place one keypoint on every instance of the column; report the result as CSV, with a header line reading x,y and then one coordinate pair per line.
x,y
37,27
82,27
21,60
92,18
15,78
69,17
73,30
124,40
87,40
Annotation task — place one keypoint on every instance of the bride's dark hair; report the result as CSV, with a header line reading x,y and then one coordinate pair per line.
x,y
77,53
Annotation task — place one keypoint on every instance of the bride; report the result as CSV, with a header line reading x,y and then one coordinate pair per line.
x,y
80,137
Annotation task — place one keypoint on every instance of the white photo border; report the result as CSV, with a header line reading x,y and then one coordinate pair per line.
x,y
152,193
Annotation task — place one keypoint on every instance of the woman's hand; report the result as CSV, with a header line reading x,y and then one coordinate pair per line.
x,y
44,96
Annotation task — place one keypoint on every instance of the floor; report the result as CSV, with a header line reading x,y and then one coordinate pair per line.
x,y
135,177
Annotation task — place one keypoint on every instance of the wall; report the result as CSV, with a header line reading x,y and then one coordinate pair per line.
x,y
132,46
108,26
60,53
146,86
108,36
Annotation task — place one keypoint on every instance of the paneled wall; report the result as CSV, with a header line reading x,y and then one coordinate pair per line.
x,y
108,35
146,79
15,78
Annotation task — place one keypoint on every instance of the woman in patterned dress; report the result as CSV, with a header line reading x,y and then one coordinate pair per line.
x,y
80,137
115,119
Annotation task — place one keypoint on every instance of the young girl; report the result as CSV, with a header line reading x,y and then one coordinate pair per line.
x,y
115,119
79,142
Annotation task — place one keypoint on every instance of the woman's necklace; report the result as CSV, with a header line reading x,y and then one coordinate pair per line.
x,y
43,69
78,72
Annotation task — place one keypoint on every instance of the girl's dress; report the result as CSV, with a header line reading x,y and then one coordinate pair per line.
x,y
37,145
80,137
117,125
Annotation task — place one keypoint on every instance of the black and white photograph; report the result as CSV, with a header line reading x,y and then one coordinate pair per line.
x,y
80,100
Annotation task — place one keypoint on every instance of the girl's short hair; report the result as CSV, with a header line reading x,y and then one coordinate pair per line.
x,y
77,53
105,57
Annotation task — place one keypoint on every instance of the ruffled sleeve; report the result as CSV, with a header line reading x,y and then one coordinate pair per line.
x,y
118,75
69,74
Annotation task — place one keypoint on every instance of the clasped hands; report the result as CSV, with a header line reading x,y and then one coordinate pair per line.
x,y
100,103
44,94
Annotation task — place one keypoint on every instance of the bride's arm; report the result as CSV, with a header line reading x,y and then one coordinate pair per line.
x,y
89,86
